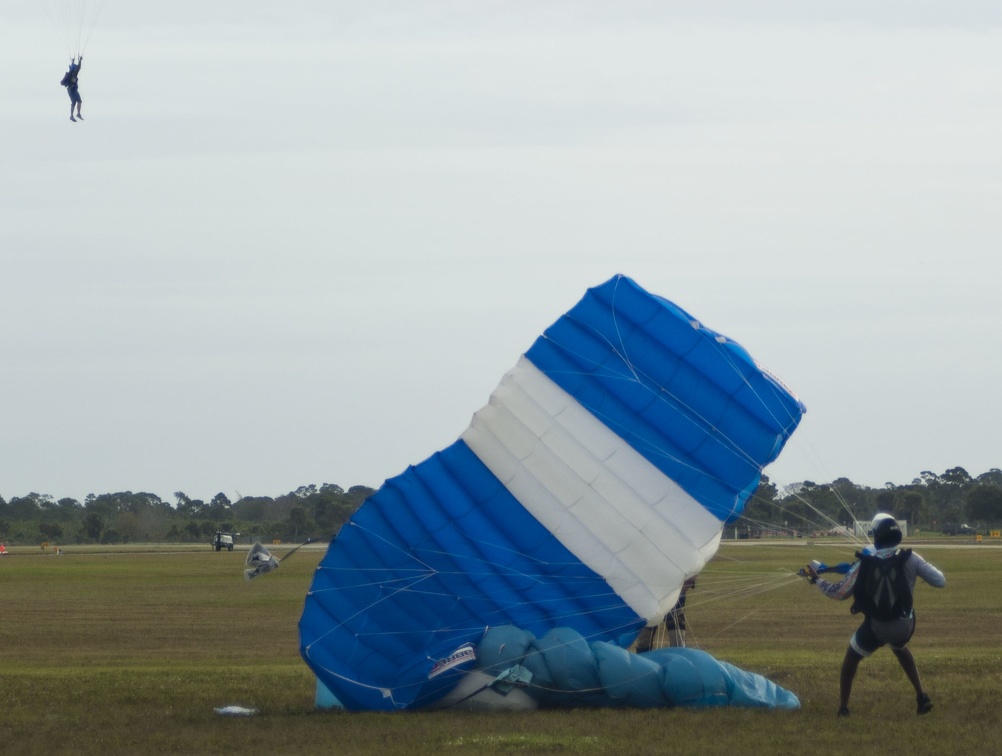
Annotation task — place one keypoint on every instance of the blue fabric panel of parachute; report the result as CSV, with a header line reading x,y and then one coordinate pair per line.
x,y
432,558
693,403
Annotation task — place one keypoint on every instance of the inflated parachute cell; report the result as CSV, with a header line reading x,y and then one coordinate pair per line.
x,y
598,477
563,669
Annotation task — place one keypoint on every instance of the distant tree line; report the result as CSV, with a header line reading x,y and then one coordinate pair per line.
x,y
127,517
929,502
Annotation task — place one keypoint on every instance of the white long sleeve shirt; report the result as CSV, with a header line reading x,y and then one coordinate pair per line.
x,y
916,567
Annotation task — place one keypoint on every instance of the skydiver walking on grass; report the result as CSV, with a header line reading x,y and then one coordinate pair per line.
x,y
70,82
882,585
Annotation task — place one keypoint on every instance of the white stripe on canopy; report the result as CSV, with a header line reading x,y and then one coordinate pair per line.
x,y
611,508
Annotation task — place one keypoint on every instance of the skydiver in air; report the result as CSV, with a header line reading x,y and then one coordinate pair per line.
x,y
874,581
70,82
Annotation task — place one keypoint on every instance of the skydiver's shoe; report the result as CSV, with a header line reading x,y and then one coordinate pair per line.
x,y
73,119
79,117
844,711
924,704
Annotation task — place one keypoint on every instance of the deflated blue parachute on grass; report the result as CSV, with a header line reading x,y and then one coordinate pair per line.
x,y
596,480
515,670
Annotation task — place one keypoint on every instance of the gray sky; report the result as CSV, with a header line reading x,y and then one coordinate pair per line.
x,y
301,242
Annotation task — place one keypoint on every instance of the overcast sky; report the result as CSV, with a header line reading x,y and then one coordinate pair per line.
x,y
301,242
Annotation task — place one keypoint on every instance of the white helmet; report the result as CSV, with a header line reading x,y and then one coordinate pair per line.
x,y
879,519
886,532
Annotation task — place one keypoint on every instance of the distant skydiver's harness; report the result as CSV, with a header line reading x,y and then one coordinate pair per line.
x,y
881,591
70,77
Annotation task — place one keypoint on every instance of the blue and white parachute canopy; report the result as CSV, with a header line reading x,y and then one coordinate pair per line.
x,y
596,480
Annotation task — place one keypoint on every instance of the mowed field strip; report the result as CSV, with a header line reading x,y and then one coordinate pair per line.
x,y
130,650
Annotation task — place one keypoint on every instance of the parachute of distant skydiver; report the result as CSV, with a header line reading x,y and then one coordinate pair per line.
x,y
596,480
260,560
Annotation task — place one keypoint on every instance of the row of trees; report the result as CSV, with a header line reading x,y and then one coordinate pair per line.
x,y
928,503
127,517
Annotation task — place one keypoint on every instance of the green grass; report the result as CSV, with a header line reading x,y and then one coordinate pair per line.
x,y
130,651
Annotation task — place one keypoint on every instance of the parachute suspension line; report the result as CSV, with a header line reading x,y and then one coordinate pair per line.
x,y
635,376
619,334
388,691
97,8
689,414
824,521
74,22
729,359
457,584
76,19
412,579
411,583
765,589
841,499
831,523
747,585
721,586
69,17
692,417
776,581
738,586
753,587
416,579
56,13
363,610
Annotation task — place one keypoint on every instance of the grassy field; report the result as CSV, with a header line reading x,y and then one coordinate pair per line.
x,y
131,650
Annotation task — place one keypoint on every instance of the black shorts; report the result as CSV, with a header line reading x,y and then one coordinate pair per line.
x,y
873,634
74,94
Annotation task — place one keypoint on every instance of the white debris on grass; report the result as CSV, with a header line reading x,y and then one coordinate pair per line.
x,y
236,711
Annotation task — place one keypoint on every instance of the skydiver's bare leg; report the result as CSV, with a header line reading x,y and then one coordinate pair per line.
x,y
849,666
907,662
645,640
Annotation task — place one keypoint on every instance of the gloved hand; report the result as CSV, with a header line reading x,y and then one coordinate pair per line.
x,y
810,573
